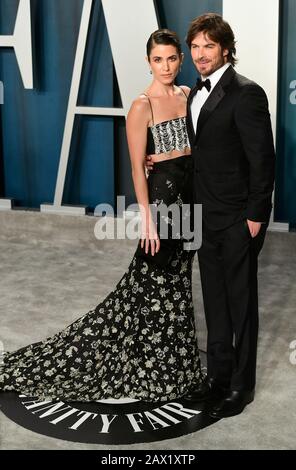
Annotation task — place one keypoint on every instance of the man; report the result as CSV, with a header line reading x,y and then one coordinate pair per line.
x,y
232,145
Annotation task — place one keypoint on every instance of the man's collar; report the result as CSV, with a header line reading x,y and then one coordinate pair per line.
x,y
215,76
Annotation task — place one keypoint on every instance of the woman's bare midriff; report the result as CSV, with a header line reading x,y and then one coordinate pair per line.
x,y
168,156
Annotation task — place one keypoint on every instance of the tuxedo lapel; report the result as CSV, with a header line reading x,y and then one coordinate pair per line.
x,y
213,100
189,123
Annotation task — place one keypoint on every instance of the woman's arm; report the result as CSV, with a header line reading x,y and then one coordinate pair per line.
x,y
136,128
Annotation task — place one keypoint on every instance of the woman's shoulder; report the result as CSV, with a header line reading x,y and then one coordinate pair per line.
x,y
186,89
140,107
140,104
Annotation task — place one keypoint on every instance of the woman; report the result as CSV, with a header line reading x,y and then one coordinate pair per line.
x,y
140,342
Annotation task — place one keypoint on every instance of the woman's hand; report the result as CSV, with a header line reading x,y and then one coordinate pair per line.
x,y
149,237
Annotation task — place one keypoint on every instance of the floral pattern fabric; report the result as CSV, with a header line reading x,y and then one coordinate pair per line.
x,y
140,342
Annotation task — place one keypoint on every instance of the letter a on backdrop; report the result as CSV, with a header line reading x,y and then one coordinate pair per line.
x,y
129,23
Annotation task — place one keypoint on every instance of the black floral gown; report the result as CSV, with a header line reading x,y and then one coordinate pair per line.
x,y
139,343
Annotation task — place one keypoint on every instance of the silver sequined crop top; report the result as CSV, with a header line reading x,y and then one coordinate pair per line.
x,y
167,135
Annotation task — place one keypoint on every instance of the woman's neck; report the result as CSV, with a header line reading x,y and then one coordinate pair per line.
x,y
159,89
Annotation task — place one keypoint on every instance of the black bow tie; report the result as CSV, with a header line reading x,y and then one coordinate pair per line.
x,y
206,83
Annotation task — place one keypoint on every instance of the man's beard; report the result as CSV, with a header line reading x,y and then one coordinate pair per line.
x,y
217,66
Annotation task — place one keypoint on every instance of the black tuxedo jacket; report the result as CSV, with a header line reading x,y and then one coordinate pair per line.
x,y
233,152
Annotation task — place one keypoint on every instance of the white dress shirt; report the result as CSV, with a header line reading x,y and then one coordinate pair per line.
x,y
202,95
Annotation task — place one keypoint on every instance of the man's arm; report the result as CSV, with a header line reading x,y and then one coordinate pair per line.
x,y
252,119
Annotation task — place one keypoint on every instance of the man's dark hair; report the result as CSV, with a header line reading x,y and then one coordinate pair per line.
x,y
218,31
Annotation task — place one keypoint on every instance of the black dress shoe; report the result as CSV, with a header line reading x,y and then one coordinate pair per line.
x,y
232,404
208,390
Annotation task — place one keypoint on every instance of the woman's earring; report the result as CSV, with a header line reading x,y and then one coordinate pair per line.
x,y
180,69
150,71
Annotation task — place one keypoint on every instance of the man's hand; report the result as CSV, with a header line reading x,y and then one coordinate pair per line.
x,y
148,163
254,227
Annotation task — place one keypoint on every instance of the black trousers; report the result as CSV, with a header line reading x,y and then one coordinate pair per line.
x,y
228,267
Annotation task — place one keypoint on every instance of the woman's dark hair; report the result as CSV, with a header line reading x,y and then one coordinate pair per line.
x,y
217,29
165,37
